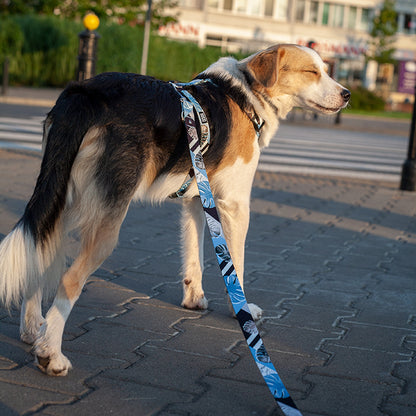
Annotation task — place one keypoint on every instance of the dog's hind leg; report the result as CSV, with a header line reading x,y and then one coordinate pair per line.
x,y
193,226
31,318
97,244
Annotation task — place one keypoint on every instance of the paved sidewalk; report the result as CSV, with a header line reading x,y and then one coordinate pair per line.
x,y
44,97
332,262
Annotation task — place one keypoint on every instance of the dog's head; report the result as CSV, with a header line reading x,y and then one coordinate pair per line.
x,y
292,75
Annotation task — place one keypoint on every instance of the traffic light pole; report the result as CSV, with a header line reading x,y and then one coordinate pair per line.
x,y
408,182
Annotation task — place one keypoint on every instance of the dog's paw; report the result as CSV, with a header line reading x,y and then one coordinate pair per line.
x,y
195,302
256,311
57,365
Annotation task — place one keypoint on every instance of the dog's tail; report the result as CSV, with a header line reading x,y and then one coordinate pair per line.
x,y
29,253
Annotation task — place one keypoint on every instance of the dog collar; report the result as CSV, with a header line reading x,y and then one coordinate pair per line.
x,y
257,121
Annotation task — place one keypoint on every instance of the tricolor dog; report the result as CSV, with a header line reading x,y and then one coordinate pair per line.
x,y
119,137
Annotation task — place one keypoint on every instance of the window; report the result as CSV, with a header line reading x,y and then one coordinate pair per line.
x,y
313,13
228,4
325,14
251,7
254,7
268,7
240,6
352,17
337,18
213,4
409,24
365,20
300,10
281,9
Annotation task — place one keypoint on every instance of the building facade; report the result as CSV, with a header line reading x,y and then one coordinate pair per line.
x,y
338,28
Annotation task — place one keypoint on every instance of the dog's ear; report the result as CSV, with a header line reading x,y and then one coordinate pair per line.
x,y
264,66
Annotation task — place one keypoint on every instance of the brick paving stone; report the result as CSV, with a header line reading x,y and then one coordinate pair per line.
x,y
170,369
290,364
20,399
404,371
332,263
358,363
144,285
393,282
128,399
297,340
396,410
375,337
311,316
331,396
252,400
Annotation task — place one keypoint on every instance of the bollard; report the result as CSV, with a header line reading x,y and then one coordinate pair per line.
x,y
408,181
87,51
5,83
146,38
338,118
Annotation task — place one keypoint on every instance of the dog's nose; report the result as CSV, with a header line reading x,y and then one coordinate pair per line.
x,y
346,95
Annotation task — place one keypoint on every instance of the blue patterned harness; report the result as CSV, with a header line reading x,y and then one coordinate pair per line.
x,y
232,283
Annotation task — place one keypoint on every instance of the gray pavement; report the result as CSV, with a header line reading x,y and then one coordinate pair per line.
x,y
331,261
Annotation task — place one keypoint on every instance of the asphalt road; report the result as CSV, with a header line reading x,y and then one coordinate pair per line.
x,y
22,111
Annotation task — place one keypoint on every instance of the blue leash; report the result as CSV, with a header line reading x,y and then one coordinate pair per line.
x,y
235,292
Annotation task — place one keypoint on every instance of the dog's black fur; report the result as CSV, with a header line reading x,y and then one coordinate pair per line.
x,y
134,110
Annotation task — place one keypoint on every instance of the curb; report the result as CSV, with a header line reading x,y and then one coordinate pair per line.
x,y
27,101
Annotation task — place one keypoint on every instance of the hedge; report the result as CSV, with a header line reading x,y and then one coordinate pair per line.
x,y
42,51
363,99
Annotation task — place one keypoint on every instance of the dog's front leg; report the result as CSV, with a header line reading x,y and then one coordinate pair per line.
x,y
235,217
193,226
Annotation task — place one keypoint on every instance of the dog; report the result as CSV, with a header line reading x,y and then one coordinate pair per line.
x,y
119,137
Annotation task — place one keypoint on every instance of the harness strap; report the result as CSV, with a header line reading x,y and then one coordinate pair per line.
x,y
188,100
232,283
258,123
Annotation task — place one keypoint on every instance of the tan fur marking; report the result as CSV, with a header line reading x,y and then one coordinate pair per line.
x,y
92,134
148,177
294,61
287,60
97,246
263,65
241,138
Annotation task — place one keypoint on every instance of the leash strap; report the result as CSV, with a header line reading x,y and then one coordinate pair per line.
x,y
204,126
235,292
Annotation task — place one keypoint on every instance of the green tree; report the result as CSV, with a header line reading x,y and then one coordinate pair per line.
x,y
28,6
11,38
383,31
121,11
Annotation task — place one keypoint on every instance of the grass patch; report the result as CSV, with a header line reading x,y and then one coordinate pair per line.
x,y
383,114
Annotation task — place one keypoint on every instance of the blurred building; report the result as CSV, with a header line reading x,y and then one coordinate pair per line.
x,y
338,28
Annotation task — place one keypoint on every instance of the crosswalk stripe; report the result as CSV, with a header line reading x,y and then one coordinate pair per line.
x,y
338,153
18,133
335,153
20,137
384,157
330,163
341,173
33,121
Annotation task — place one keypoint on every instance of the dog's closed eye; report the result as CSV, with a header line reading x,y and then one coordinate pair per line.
x,y
312,70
